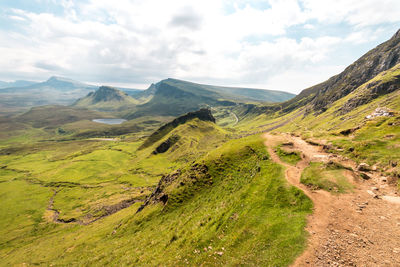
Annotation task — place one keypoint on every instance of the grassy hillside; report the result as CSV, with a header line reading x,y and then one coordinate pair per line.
x,y
202,114
349,126
230,207
106,99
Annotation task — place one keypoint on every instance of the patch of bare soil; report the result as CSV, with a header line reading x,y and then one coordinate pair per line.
x,y
361,228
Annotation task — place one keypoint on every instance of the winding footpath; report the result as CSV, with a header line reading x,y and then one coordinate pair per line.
x,y
353,229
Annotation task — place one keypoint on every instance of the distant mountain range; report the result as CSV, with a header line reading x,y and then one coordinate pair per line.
x,y
168,97
54,91
18,83
172,97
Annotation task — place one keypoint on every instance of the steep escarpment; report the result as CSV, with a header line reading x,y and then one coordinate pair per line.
x,y
383,84
321,96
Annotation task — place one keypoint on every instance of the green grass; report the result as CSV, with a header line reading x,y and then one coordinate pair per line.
x,y
328,177
291,157
21,210
242,209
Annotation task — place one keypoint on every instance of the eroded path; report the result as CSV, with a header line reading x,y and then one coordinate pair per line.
x,y
354,229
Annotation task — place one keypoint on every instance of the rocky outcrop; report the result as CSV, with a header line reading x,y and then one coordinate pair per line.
x,y
372,91
320,96
164,146
196,174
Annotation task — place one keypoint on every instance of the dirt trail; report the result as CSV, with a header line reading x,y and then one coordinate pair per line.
x,y
354,229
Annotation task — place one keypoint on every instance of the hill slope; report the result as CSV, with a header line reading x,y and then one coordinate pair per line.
x,y
320,96
202,114
106,98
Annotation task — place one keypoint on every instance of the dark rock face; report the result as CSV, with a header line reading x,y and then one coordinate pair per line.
x,y
320,96
372,91
158,194
107,93
164,146
197,173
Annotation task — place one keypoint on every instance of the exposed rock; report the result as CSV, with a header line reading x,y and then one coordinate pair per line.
x,y
380,112
364,176
320,96
158,195
164,146
363,167
349,131
193,175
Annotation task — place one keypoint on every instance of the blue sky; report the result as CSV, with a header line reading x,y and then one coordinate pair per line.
x,y
284,45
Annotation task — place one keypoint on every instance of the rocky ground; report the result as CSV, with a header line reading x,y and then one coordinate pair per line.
x,y
361,228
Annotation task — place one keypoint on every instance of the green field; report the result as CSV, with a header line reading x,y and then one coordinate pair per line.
x,y
239,211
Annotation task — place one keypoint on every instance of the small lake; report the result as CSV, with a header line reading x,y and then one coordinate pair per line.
x,y
109,121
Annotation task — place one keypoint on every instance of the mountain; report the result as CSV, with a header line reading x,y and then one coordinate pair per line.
x,y
106,98
319,97
18,83
56,90
221,92
172,97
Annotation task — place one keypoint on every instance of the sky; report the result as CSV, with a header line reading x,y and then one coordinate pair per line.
x,y
284,45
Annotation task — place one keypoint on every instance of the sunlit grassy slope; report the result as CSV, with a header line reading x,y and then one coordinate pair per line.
x,y
374,141
240,211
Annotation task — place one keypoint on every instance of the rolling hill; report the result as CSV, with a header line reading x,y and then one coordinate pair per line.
x,y
175,97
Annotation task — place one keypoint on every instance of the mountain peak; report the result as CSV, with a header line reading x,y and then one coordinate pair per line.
x,y
396,35
108,93
59,79
62,82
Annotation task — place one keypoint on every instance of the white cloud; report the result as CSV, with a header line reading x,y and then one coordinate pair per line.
x,y
355,12
139,42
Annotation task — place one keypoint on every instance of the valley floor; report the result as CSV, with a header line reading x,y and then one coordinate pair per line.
x,y
358,228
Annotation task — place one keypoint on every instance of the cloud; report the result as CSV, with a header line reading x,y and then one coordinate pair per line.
x,y
213,41
187,18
